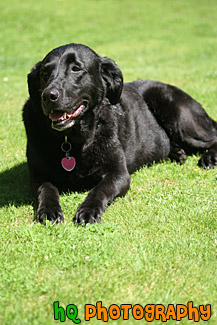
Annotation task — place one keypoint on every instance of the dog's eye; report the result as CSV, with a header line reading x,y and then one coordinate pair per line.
x,y
75,68
45,74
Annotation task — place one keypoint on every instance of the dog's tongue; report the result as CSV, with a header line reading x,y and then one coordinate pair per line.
x,y
55,116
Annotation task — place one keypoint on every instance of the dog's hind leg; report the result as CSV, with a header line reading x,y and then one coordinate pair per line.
x,y
177,153
209,158
186,123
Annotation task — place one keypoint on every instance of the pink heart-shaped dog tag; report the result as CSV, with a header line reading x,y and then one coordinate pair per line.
x,y
68,163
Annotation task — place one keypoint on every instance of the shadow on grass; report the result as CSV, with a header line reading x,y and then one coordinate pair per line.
x,y
15,187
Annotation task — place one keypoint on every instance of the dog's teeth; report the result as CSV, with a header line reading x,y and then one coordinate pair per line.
x,y
64,115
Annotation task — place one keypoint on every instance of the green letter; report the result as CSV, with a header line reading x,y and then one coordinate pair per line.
x,y
58,310
74,314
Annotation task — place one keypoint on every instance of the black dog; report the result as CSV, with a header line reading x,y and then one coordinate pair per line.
x,y
86,130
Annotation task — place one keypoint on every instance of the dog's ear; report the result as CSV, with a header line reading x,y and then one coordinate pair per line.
x,y
34,84
113,78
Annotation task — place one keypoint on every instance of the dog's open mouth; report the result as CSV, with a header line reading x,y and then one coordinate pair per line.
x,y
62,120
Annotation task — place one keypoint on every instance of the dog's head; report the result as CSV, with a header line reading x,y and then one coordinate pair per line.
x,y
71,80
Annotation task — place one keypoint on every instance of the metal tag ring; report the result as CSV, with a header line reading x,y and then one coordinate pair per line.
x,y
66,145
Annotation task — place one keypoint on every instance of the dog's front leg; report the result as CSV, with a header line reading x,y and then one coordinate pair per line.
x,y
48,204
111,186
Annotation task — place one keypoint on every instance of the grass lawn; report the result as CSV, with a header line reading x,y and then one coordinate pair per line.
x,y
158,245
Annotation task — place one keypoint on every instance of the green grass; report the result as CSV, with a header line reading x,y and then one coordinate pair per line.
x,y
158,244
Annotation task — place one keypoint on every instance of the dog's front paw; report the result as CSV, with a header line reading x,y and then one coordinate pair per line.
x,y
208,160
86,214
53,214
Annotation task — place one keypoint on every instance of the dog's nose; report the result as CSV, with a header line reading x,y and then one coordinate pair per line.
x,y
52,95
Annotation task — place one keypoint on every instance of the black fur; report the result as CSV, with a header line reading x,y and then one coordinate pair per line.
x,y
121,128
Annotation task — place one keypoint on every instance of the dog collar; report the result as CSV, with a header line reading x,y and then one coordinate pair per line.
x,y
68,162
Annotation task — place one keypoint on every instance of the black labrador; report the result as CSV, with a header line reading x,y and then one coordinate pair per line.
x,y
86,130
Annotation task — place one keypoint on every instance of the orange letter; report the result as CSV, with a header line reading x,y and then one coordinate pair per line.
x,y
181,311
101,310
192,310
159,311
149,309
114,312
138,312
87,313
126,309
170,312
206,312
